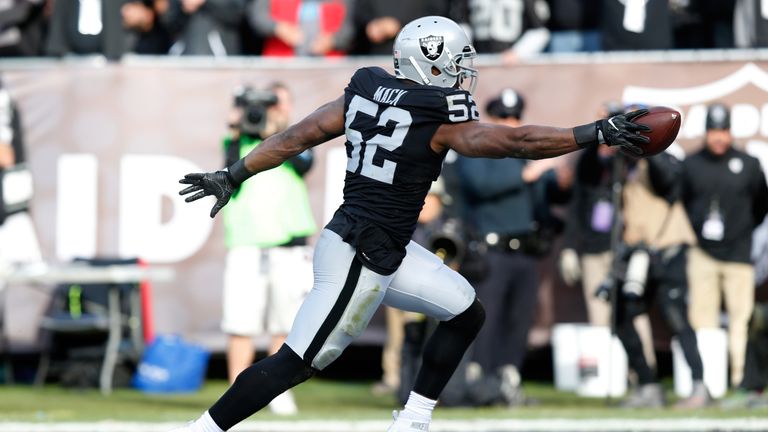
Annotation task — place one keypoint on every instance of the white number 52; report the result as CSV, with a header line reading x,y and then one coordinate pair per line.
x,y
461,106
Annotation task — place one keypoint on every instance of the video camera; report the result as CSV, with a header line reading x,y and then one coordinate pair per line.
x,y
254,103
630,272
447,242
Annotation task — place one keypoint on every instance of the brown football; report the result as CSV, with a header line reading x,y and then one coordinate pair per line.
x,y
664,123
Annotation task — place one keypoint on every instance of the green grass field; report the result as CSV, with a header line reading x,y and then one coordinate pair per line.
x,y
318,400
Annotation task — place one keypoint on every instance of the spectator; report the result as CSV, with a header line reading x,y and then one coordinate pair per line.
x,y
657,234
266,228
111,28
142,17
726,197
586,254
750,24
303,27
514,32
377,23
500,208
636,25
204,27
21,28
18,239
574,25
702,24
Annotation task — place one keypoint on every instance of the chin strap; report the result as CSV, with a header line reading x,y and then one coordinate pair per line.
x,y
419,71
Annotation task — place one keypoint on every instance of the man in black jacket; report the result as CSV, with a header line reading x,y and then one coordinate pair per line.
x,y
726,197
500,208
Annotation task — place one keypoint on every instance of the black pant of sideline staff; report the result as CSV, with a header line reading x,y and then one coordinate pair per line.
x,y
667,284
751,392
509,294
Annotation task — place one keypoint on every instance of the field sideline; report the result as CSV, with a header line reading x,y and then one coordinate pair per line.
x,y
339,406
479,425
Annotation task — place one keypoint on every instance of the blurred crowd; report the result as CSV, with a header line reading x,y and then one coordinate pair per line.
x,y
673,233
514,29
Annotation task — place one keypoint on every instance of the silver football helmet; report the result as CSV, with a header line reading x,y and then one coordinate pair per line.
x,y
435,51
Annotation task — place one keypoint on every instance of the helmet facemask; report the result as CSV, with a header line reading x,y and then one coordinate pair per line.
x,y
460,66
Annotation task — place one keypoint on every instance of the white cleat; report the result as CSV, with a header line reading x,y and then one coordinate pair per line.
x,y
185,428
284,404
402,424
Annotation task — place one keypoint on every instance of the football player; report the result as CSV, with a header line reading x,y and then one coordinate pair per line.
x,y
398,129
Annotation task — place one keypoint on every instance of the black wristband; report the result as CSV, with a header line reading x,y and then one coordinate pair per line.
x,y
586,135
239,172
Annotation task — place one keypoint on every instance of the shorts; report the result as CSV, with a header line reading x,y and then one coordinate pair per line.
x,y
263,288
346,294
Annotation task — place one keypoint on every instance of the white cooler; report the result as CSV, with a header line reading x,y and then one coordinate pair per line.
x,y
588,361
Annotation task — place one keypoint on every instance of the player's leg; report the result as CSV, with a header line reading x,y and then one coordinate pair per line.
x,y
648,393
342,301
424,284
739,293
673,304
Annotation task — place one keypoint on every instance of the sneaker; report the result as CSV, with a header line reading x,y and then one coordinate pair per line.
x,y
699,398
645,396
760,402
741,399
511,387
284,404
402,424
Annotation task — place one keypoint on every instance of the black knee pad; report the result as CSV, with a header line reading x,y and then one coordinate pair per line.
x,y
471,320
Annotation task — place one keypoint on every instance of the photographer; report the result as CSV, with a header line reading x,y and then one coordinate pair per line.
x,y
586,255
657,235
266,226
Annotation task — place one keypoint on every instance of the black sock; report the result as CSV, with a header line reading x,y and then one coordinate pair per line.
x,y
256,386
445,348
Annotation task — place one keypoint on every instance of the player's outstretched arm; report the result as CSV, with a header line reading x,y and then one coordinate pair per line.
x,y
477,139
326,123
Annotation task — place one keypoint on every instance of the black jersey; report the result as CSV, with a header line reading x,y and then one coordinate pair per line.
x,y
390,164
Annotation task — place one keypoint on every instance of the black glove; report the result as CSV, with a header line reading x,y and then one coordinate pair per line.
x,y
219,184
617,130
621,131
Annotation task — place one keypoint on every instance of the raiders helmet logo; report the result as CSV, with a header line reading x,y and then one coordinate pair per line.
x,y
431,46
